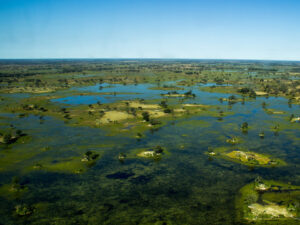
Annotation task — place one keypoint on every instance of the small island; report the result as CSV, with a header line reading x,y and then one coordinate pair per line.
x,y
152,153
264,200
246,157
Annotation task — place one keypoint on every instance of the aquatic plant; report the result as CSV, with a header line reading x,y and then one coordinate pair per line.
x,y
89,156
158,149
122,156
244,127
23,210
233,140
261,135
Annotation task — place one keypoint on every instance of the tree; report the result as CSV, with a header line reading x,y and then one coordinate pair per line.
x,y
7,138
245,125
244,90
232,98
189,93
167,110
252,94
19,133
158,149
163,104
146,116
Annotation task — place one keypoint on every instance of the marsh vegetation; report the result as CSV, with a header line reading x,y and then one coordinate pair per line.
x,y
149,142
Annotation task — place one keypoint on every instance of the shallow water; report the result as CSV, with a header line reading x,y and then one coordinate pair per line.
x,y
133,92
139,91
184,187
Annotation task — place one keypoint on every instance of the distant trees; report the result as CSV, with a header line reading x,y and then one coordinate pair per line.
x,y
164,104
247,91
132,111
219,81
167,110
252,94
231,98
189,94
244,90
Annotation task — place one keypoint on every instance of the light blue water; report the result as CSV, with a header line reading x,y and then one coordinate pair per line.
x,y
139,91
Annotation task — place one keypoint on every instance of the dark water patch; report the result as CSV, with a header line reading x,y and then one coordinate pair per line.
x,y
120,175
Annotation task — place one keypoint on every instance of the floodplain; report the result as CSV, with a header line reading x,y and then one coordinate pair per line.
x,y
149,142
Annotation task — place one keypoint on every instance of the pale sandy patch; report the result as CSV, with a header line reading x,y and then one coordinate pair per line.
x,y
147,154
179,110
261,93
114,116
270,209
247,156
144,106
174,95
156,113
31,90
278,112
295,119
194,105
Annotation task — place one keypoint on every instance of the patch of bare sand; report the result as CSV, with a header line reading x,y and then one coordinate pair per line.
x,y
194,105
260,93
143,106
271,209
114,116
156,113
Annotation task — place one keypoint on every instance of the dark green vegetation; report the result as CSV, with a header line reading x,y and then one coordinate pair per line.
x,y
149,142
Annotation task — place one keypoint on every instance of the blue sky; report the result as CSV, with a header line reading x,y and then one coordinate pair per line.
x,y
218,29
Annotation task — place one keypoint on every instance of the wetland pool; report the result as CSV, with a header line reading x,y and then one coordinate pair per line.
x,y
186,186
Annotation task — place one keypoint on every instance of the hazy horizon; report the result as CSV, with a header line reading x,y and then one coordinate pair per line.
x,y
171,59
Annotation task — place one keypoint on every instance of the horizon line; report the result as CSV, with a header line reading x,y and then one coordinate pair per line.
x,y
150,58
